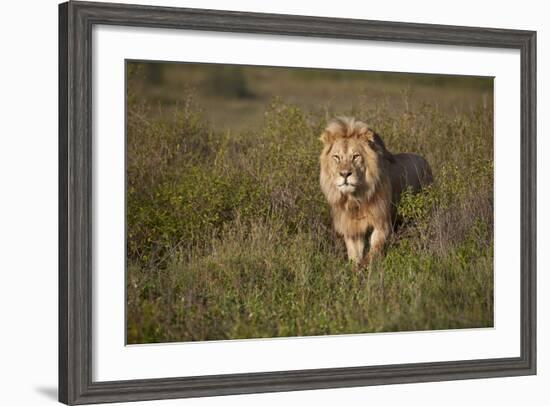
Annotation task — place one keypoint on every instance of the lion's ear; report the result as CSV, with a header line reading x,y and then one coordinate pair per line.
x,y
377,144
327,137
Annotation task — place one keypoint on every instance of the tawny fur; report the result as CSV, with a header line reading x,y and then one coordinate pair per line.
x,y
363,182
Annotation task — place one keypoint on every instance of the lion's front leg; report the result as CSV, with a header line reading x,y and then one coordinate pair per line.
x,y
378,240
355,246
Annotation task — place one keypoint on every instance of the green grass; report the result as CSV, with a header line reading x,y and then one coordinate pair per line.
x,y
229,236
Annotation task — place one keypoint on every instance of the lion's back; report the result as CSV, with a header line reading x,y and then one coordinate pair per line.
x,y
409,170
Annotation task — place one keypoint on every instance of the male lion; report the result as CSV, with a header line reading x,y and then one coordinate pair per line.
x,y
363,182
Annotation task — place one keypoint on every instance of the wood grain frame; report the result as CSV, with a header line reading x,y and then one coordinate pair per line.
x,y
76,20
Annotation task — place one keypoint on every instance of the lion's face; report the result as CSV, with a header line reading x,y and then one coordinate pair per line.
x,y
347,165
352,161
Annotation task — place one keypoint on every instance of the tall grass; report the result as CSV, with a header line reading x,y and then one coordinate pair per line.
x,y
230,237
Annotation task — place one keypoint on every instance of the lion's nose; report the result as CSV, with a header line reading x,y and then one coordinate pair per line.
x,y
345,174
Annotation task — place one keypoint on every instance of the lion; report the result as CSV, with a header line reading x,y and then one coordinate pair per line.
x,y
363,182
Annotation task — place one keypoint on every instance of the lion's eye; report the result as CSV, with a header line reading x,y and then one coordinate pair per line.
x,y
336,158
356,157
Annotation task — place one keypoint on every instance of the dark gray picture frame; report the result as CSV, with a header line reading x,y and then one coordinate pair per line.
x,y
76,20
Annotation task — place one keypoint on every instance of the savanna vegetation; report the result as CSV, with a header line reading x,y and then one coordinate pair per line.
x,y
228,233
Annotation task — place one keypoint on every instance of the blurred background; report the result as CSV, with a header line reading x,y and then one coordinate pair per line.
x,y
234,97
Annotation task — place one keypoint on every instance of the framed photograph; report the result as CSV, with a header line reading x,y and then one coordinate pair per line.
x,y
258,202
